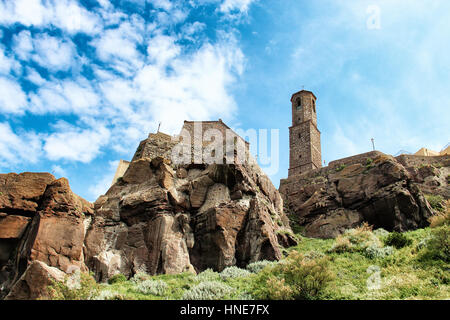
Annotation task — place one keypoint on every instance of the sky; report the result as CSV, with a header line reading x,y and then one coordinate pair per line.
x,y
83,81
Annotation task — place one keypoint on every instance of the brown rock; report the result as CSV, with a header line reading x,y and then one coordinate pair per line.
x,y
33,284
21,192
381,192
13,227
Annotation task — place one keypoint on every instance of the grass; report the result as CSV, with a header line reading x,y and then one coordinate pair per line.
x,y
314,271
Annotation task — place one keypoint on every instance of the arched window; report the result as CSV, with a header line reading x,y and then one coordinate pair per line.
x,y
314,105
298,103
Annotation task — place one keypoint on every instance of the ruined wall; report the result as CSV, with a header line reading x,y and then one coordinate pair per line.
x,y
156,145
120,171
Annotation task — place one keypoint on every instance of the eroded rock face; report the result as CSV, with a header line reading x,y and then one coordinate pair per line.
x,y
41,220
381,191
33,284
162,218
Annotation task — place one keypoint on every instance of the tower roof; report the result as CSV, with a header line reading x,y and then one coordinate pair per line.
x,y
305,91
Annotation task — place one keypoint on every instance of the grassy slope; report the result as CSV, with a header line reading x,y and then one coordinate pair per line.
x,y
404,275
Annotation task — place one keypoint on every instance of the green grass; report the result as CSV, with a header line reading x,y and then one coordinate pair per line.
x,y
411,272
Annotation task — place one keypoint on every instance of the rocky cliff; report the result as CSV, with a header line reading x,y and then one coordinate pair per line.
x,y
384,191
41,219
161,218
158,218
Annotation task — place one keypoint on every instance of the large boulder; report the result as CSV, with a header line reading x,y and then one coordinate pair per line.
x,y
164,218
380,191
41,219
35,282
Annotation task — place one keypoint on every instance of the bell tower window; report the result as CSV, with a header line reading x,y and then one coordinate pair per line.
x,y
299,103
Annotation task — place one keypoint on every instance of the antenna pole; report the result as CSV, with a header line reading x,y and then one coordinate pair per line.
x,y
373,143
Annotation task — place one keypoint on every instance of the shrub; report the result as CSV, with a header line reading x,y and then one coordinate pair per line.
x,y
117,278
436,201
438,246
208,275
140,276
233,272
376,252
258,266
296,277
154,287
441,218
208,290
341,245
355,240
78,286
108,294
277,289
340,168
397,240
380,232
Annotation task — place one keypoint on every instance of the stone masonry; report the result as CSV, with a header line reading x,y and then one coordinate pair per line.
x,y
304,137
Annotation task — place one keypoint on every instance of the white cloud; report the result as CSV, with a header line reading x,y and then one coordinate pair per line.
x,y
54,53
23,44
6,63
12,98
58,171
16,149
65,14
73,18
235,5
35,77
68,96
162,4
118,46
71,143
133,89
163,49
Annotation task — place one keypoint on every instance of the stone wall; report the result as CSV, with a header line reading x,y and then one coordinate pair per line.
x,y
156,145
120,171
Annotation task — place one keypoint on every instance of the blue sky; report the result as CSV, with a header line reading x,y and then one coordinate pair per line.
x,y
83,81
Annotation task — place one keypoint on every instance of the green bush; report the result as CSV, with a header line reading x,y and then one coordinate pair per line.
x,y
258,266
78,286
436,201
140,276
355,240
233,272
380,232
376,252
441,218
108,294
208,290
438,246
208,275
296,277
154,287
117,278
397,240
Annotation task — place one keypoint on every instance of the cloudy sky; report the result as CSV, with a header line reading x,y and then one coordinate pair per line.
x,y
83,81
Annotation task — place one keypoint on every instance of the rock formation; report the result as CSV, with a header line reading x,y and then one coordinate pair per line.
x,y
384,191
161,218
157,218
41,219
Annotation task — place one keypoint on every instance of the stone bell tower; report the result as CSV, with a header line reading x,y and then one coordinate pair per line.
x,y
304,137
